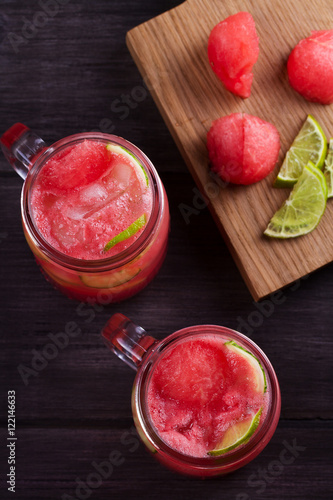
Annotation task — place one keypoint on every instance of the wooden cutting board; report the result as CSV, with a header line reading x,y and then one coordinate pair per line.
x,y
171,54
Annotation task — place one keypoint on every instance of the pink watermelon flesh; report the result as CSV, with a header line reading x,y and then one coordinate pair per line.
x,y
75,167
197,391
310,67
242,148
233,49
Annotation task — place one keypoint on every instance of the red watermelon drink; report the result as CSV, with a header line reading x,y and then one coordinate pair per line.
x,y
205,400
94,211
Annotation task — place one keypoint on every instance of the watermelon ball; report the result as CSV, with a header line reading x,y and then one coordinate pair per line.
x,y
242,148
310,67
233,49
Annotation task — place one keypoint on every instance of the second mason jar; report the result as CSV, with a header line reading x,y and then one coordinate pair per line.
x,y
205,400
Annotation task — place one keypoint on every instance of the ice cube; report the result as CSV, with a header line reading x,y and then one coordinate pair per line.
x,y
64,234
77,212
92,194
89,200
118,177
96,196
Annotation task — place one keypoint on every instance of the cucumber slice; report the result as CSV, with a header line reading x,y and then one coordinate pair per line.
x,y
60,276
56,279
109,280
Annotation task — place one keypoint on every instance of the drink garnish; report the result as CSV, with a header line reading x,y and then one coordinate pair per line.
x,y
259,373
119,150
237,434
127,233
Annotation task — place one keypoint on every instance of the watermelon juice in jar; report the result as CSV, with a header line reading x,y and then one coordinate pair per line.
x,y
205,400
94,211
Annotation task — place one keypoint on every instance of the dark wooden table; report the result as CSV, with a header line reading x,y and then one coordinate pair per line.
x,y
68,71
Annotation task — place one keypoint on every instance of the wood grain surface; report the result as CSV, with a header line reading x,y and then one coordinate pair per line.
x,y
74,75
171,53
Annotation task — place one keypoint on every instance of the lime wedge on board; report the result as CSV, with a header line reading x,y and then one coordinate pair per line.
x,y
328,170
302,211
310,144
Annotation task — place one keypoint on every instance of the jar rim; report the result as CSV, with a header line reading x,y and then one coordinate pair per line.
x,y
242,454
107,263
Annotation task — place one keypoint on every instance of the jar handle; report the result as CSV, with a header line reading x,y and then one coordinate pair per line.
x,y
20,146
127,340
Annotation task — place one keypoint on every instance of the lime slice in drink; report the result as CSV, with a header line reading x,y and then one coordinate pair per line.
x,y
302,211
127,233
258,372
113,148
310,144
328,170
237,434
